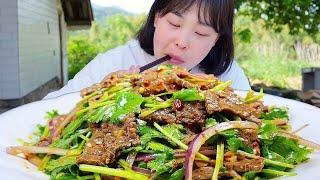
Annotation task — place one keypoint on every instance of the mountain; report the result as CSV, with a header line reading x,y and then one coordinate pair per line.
x,y
100,13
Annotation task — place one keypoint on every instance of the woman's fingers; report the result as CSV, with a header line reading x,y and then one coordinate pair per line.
x,y
134,69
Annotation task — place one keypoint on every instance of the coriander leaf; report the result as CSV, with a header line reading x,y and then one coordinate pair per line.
x,y
126,102
142,164
275,113
147,134
39,130
287,148
178,174
231,133
235,144
211,122
267,153
52,114
161,164
267,130
157,147
227,134
175,130
250,175
188,95
99,114
65,172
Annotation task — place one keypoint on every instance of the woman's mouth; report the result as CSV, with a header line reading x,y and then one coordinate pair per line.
x,y
175,59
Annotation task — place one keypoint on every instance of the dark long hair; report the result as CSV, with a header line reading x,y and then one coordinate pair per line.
x,y
220,18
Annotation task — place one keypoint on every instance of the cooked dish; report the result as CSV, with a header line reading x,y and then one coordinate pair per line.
x,y
166,124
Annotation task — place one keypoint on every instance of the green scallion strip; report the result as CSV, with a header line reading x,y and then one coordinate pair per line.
x,y
278,173
112,172
255,98
178,142
108,103
84,138
219,160
44,162
222,86
88,97
97,176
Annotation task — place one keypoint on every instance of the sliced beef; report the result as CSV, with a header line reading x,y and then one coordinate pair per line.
x,y
148,84
189,113
241,164
107,140
164,116
154,82
250,138
231,103
202,173
246,165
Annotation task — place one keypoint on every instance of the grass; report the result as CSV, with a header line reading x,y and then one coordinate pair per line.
x,y
275,71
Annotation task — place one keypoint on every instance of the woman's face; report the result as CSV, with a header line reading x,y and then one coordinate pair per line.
x,y
184,37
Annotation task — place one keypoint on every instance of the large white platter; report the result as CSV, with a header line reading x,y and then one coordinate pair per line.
x,y
21,122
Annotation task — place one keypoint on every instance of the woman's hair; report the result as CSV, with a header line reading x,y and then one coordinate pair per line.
x,y
220,18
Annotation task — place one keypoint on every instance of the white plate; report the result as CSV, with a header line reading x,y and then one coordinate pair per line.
x,y
21,122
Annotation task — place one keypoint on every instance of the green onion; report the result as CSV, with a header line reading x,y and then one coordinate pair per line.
x,y
219,160
221,87
112,172
178,142
44,162
108,103
278,173
250,98
97,176
84,138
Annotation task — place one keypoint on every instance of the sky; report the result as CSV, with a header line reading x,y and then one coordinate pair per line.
x,y
133,6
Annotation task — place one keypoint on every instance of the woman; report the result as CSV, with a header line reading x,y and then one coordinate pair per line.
x,y
197,34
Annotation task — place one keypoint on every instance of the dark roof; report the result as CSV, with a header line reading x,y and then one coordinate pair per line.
x,y
77,12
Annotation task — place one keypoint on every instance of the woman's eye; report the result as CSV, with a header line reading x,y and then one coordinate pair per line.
x,y
202,34
174,24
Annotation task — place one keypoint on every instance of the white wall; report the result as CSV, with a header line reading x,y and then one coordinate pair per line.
x,y
9,61
39,43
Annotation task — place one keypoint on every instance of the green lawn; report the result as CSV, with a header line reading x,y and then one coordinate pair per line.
x,y
275,71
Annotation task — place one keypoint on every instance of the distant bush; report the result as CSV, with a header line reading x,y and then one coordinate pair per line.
x,y
80,52
83,46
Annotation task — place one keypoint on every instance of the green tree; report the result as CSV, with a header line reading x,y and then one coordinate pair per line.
x,y
298,15
83,46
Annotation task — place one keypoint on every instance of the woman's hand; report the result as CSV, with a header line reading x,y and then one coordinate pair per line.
x,y
134,69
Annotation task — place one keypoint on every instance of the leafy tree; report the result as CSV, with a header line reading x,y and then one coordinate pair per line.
x,y
298,15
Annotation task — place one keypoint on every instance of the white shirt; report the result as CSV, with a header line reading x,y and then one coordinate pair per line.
x,y
122,57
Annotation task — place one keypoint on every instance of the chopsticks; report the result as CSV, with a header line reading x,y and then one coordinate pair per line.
x,y
154,63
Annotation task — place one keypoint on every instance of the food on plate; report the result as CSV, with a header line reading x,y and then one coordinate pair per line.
x,y
166,124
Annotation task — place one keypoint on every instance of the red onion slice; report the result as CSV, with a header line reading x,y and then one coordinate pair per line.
x,y
201,138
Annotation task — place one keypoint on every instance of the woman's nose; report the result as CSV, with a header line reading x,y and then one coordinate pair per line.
x,y
182,42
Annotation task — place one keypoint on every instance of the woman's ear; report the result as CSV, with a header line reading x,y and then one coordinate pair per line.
x,y
156,18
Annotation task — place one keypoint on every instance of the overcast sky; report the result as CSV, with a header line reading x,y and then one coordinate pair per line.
x,y
133,6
